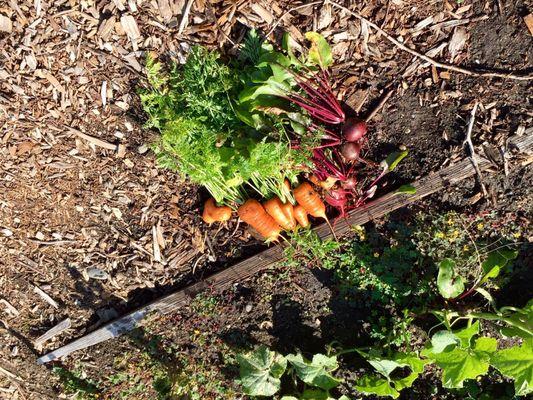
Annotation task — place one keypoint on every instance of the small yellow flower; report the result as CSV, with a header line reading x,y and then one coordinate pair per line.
x,y
439,235
465,247
376,254
517,234
480,226
196,331
450,221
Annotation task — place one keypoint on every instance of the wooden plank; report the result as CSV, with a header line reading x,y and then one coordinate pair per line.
x,y
249,267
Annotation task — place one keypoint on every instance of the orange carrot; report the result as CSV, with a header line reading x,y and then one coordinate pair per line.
x,y
212,213
310,200
301,216
288,210
326,184
276,209
253,213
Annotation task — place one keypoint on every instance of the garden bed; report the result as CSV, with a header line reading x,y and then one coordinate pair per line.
x,y
72,210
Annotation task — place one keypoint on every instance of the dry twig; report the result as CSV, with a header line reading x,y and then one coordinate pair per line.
x,y
473,156
185,17
380,105
430,60
290,10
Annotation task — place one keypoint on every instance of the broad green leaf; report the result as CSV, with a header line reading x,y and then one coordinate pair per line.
x,y
287,44
316,372
411,360
406,189
415,363
393,160
442,339
521,322
373,384
400,384
495,261
465,335
320,52
516,363
460,364
450,285
260,371
314,394
384,367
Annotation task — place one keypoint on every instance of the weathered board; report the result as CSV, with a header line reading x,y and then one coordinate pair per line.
x,y
247,268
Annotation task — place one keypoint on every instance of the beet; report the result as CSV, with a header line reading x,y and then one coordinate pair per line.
x,y
354,129
351,151
349,184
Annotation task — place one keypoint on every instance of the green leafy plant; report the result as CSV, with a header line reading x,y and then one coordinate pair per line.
x,y
261,372
202,137
74,382
451,284
305,244
463,355
386,384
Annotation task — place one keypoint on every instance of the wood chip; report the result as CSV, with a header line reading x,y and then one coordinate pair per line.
x,y
164,9
5,24
157,250
106,27
129,25
10,307
262,12
56,330
458,41
45,297
92,139
528,19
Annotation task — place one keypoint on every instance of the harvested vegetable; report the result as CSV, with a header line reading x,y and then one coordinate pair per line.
x,y
253,213
288,209
213,213
306,196
351,151
277,210
354,129
301,216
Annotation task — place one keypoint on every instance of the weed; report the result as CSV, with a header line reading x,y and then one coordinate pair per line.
x,y
74,382
305,245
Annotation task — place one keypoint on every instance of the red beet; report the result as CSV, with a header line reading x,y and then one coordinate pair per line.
x,y
354,129
351,151
349,184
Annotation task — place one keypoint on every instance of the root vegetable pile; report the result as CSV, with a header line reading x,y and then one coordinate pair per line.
x,y
246,127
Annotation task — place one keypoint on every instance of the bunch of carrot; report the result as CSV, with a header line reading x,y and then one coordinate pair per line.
x,y
270,218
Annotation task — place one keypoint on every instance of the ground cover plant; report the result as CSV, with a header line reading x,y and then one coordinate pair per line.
x,y
394,283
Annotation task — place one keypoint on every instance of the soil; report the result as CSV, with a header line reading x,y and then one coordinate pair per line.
x,y
69,207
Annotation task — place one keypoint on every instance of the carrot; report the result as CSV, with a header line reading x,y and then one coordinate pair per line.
x,y
310,200
253,213
326,184
212,213
288,210
301,216
277,210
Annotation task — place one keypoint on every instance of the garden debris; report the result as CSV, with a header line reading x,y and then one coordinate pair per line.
x,y
473,156
5,24
45,296
52,332
528,19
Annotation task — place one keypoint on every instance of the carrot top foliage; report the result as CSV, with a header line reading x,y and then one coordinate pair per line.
x,y
201,135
